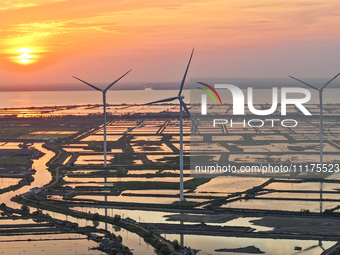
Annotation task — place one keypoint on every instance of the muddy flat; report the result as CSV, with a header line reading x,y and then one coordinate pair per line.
x,y
219,218
303,225
248,249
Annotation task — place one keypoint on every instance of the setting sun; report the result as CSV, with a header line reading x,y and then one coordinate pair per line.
x,y
24,58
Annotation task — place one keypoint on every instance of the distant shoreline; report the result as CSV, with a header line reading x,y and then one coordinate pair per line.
x,y
258,83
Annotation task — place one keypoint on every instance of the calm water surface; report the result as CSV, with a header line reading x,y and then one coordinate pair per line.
x,y
53,98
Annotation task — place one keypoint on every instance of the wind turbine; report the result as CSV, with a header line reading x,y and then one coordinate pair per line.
x,y
320,90
180,98
104,105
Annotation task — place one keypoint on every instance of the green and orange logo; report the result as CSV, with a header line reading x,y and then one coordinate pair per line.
x,y
209,93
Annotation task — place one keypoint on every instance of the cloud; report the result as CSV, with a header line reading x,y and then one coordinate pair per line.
x,y
72,25
19,4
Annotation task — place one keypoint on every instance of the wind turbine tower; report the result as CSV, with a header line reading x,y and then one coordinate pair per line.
x,y
104,106
320,90
182,107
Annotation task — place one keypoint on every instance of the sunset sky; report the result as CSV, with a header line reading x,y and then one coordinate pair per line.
x,y
46,42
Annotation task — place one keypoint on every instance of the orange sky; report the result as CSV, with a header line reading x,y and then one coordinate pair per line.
x,y
100,40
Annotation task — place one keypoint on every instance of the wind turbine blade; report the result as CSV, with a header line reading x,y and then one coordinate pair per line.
x,y
185,107
96,88
187,111
185,74
163,100
307,84
326,84
116,80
